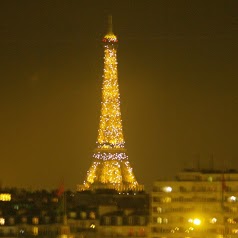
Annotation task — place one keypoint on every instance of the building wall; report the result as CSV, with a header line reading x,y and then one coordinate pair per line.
x,y
196,204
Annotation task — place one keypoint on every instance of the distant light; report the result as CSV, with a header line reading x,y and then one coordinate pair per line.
x,y
167,189
35,230
232,199
159,220
2,221
235,231
213,220
5,197
159,209
166,199
92,226
196,221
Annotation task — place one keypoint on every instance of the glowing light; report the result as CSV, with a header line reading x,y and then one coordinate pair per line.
x,y
5,197
231,221
234,231
213,220
232,199
35,230
2,221
167,189
110,38
159,220
196,221
166,199
110,166
92,226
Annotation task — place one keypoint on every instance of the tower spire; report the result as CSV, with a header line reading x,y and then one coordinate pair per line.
x,y
110,24
109,37
110,168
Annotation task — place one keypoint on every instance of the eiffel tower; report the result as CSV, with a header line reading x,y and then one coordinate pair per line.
x,y
110,168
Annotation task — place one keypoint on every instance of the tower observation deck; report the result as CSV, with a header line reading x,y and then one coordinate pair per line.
x,y
110,168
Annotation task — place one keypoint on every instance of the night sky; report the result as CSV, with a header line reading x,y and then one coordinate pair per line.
x,y
178,78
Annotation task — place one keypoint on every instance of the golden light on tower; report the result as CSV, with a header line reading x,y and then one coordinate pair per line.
x,y
110,167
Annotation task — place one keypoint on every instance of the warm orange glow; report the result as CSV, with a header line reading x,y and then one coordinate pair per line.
x,y
5,197
110,166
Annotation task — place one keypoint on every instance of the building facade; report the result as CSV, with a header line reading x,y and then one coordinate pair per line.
x,y
196,204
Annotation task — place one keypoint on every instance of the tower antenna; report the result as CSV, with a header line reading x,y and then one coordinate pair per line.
x,y
110,24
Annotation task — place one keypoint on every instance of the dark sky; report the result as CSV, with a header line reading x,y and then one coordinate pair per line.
x,y
178,82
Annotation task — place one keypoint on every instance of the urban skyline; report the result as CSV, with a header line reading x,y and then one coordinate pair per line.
x,y
178,71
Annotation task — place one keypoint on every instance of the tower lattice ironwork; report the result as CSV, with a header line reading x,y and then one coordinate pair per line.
x,y
110,168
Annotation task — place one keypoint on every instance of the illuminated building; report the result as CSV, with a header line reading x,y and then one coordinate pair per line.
x,y
110,168
197,204
5,197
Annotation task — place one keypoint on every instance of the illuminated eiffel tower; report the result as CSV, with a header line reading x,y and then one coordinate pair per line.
x,y
110,168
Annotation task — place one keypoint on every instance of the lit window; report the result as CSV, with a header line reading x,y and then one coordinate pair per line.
x,y
159,209
2,221
167,189
166,199
35,230
231,221
232,199
92,226
213,220
195,221
5,197
234,231
165,220
159,220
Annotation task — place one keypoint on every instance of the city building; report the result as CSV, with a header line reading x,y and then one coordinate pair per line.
x,y
42,214
196,204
